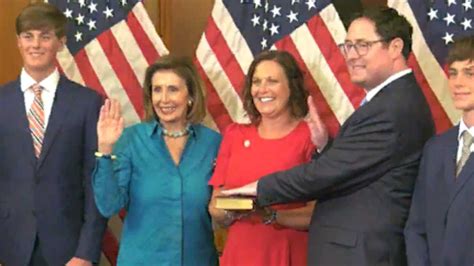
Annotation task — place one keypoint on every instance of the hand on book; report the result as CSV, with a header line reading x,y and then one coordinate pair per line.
x,y
247,190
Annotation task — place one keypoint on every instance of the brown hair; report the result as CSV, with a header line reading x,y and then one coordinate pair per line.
x,y
462,49
184,68
389,24
298,92
40,16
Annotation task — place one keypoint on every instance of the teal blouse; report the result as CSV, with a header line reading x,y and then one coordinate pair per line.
x,y
167,221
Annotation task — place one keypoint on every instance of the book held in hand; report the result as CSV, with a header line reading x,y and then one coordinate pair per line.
x,y
235,203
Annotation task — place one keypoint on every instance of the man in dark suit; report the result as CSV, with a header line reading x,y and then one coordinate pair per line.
x,y
47,142
440,228
364,179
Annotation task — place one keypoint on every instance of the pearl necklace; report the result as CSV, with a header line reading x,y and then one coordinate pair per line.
x,y
176,134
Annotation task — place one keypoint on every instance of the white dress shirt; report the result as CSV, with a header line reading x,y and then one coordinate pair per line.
x,y
371,94
463,127
49,84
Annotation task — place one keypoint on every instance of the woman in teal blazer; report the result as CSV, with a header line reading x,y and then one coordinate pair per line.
x,y
158,170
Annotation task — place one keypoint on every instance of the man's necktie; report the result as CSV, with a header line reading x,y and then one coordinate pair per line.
x,y
466,151
36,119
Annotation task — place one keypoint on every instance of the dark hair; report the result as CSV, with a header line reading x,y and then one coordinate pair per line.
x,y
184,68
462,49
40,16
298,92
389,25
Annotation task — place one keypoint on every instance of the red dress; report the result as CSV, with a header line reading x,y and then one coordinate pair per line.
x,y
243,158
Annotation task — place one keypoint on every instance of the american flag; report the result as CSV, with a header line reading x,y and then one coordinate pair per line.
x,y
436,25
237,30
110,43
109,46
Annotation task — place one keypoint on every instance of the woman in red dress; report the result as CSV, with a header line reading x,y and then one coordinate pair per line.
x,y
277,139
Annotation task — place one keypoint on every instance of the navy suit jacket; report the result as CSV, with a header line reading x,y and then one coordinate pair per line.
x,y
50,197
363,182
440,228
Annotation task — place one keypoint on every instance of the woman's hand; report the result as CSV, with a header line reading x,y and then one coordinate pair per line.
x,y
224,217
319,132
110,126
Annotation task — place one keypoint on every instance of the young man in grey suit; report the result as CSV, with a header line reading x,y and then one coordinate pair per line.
x,y
363,180
47,141
440,228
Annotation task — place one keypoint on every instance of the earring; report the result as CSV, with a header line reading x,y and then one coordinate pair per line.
x,y
190,103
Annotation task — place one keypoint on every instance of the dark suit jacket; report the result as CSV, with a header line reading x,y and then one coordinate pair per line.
x,y
50,197
363,182
440,228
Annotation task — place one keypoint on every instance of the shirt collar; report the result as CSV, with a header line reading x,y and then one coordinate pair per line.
x,y
463,127
49,84
371,94
155,129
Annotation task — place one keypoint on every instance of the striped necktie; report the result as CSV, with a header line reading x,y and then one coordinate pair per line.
x,y
36,119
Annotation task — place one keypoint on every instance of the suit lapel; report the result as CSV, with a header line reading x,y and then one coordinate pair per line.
x,y
364,109
455,184
62,102
450,158
17,108
467,173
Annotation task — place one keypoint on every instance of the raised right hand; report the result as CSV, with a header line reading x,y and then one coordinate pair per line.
x,y
110,126
319,132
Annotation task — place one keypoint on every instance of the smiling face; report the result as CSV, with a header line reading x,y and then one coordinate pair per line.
x,y
170,96
372,68
38,48
461,84
270,91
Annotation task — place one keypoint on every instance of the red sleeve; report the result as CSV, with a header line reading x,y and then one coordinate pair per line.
x,y
222,160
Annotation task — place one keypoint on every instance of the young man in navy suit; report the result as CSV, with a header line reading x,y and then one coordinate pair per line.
x,y
440,228
47,141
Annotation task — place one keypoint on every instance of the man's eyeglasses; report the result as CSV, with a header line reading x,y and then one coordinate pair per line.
x,y
361,47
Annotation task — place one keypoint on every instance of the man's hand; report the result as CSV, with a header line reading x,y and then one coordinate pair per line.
x,y
75,261
319,133
249,190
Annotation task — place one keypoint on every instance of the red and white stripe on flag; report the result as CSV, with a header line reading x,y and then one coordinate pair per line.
x,y
428,71
223,58
114,63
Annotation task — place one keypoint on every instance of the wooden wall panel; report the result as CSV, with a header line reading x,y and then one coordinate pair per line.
x,y
180,23
10,60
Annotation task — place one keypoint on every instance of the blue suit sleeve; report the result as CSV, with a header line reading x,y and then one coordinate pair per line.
x,y
352,162
111,178
90,240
